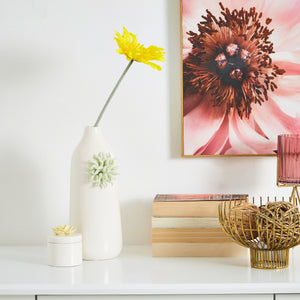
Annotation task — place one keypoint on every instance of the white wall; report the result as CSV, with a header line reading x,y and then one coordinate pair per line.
x,y
57,66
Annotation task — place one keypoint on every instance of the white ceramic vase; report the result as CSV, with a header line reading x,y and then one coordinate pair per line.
x,y
94,211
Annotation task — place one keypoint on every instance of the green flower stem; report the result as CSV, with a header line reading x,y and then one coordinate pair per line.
x,y
112,93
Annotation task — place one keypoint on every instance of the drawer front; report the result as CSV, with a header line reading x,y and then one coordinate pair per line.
x,y
17,297
161,297
287,297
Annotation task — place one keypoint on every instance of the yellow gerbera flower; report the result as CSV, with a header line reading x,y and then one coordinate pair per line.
x,y
134,51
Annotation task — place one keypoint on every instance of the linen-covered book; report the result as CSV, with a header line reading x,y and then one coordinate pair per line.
x,y
197,205
185,222
189,235
210,249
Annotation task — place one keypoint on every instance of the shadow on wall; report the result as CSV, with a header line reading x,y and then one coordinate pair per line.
x,y
238,173
174,80
21,198
246,175
137,221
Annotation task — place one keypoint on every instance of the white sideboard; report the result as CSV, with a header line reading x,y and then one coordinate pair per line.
x,y
136,275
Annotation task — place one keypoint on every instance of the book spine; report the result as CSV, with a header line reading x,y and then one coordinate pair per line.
x,y
198,250
200,197
206,209
184,222
189,235
185,209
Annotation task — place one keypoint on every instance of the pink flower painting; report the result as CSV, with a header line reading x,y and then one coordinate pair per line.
x,y
241,75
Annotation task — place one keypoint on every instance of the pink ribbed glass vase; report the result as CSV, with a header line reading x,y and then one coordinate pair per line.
x,y
288,153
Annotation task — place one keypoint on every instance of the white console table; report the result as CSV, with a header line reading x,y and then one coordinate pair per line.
x,y
136,275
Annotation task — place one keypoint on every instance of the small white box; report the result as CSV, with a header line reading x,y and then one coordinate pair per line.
x,y
64,251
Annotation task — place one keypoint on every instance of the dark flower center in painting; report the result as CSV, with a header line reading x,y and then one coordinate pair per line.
x,y
230,60
231,64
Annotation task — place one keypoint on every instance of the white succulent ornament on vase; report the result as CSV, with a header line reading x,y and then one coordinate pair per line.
x,y
102,170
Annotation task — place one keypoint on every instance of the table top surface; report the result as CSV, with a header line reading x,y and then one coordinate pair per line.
x,y
24,271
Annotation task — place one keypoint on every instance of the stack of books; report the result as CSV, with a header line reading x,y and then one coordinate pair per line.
x,y
188,225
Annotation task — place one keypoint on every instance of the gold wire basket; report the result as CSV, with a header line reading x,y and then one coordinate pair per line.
x,y
269,230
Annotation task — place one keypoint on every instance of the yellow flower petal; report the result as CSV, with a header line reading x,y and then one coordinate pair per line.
x,y
63,230
129,46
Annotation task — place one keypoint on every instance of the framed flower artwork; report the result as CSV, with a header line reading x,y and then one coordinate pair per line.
x,y
240,75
